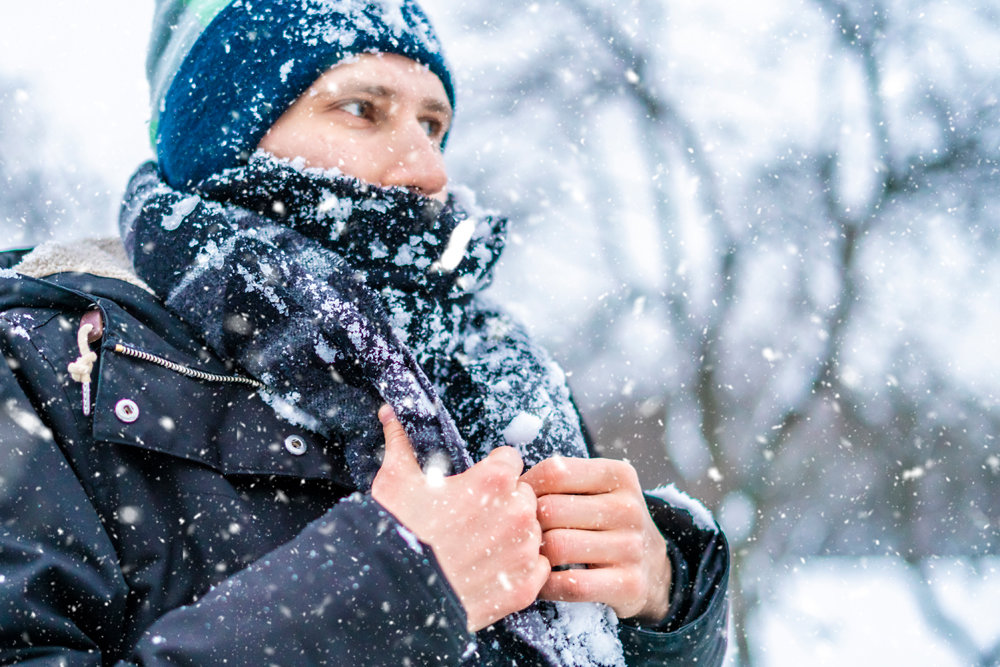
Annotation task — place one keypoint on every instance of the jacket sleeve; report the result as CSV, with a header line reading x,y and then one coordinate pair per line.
x,y
353,586
695,630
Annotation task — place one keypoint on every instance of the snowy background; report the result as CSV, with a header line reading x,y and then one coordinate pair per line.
x,y
763,238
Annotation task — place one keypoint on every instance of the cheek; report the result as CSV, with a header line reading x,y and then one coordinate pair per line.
x,y
355,157
308,140
286,141
324,146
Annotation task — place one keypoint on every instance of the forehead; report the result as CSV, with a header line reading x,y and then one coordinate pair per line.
x,y
386,73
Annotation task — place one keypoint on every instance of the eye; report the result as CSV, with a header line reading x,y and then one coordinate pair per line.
x,y
358,108
433,127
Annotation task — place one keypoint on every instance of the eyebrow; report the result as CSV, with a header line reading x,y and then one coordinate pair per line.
x,y
375,90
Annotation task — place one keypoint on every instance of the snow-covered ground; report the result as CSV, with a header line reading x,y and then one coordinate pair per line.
x,y
864,611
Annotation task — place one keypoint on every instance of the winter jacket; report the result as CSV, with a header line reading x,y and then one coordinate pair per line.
x,y
176,518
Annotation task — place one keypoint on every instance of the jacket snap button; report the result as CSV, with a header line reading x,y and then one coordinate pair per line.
x,y
126,410
295,445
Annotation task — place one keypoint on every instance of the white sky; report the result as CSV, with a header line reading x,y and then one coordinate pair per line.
x,y
84,65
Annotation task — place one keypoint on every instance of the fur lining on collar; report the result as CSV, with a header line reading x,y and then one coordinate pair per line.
x,y
104,257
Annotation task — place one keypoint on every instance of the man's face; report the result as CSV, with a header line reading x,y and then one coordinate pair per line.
x,y
380,119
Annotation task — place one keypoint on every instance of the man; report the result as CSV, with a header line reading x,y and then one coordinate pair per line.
x,y
311,269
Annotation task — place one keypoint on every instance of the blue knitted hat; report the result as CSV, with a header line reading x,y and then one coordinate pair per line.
x,y
221,72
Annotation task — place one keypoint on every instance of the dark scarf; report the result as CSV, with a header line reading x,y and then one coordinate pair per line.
x,y
339,296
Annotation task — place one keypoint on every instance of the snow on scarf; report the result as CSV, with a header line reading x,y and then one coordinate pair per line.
x,y
338,296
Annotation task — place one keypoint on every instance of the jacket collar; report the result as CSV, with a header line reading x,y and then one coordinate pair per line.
x,y
103,257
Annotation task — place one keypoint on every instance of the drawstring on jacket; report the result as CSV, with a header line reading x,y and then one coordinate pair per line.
x,y
92,330
80,370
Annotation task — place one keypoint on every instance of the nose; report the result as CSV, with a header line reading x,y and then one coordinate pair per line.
x,y
416,163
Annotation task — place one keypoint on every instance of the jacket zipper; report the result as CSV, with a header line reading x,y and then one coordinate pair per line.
x,y
184,370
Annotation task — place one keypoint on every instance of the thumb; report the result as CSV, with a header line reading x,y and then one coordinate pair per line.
x,y
399,454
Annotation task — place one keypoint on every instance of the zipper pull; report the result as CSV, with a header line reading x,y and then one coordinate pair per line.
x,y
91,329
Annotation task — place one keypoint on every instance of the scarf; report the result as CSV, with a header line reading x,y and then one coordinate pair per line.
x,y
338,296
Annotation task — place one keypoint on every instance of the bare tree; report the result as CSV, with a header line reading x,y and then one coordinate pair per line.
x,y
743,367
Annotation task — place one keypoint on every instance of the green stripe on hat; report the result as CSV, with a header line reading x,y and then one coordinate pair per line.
x,y
177,25
206,9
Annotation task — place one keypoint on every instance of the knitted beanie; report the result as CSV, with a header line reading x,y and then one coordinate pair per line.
x,y
221,72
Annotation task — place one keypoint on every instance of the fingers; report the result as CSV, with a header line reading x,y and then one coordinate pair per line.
x,y
399,454
538,577
386,414
530,581
534,578
607,511
567,475
585,547
614,586
506,458
524,507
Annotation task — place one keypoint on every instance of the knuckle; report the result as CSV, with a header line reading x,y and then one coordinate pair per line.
x,y
634,544
494,476
557,470
629,474
526,495
633,507
545,507
491,469
632,475
626,508
617,505
625,474
507,455
632,587
520,509
549,471
526,549
542,467
526,536
527,521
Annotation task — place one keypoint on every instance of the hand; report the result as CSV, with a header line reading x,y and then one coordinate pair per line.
x,y
592,513
482,524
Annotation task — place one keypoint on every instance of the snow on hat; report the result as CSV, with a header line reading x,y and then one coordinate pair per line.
x,y
221,72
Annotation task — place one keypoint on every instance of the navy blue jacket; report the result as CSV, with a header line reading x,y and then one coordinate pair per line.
x,y
181,521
